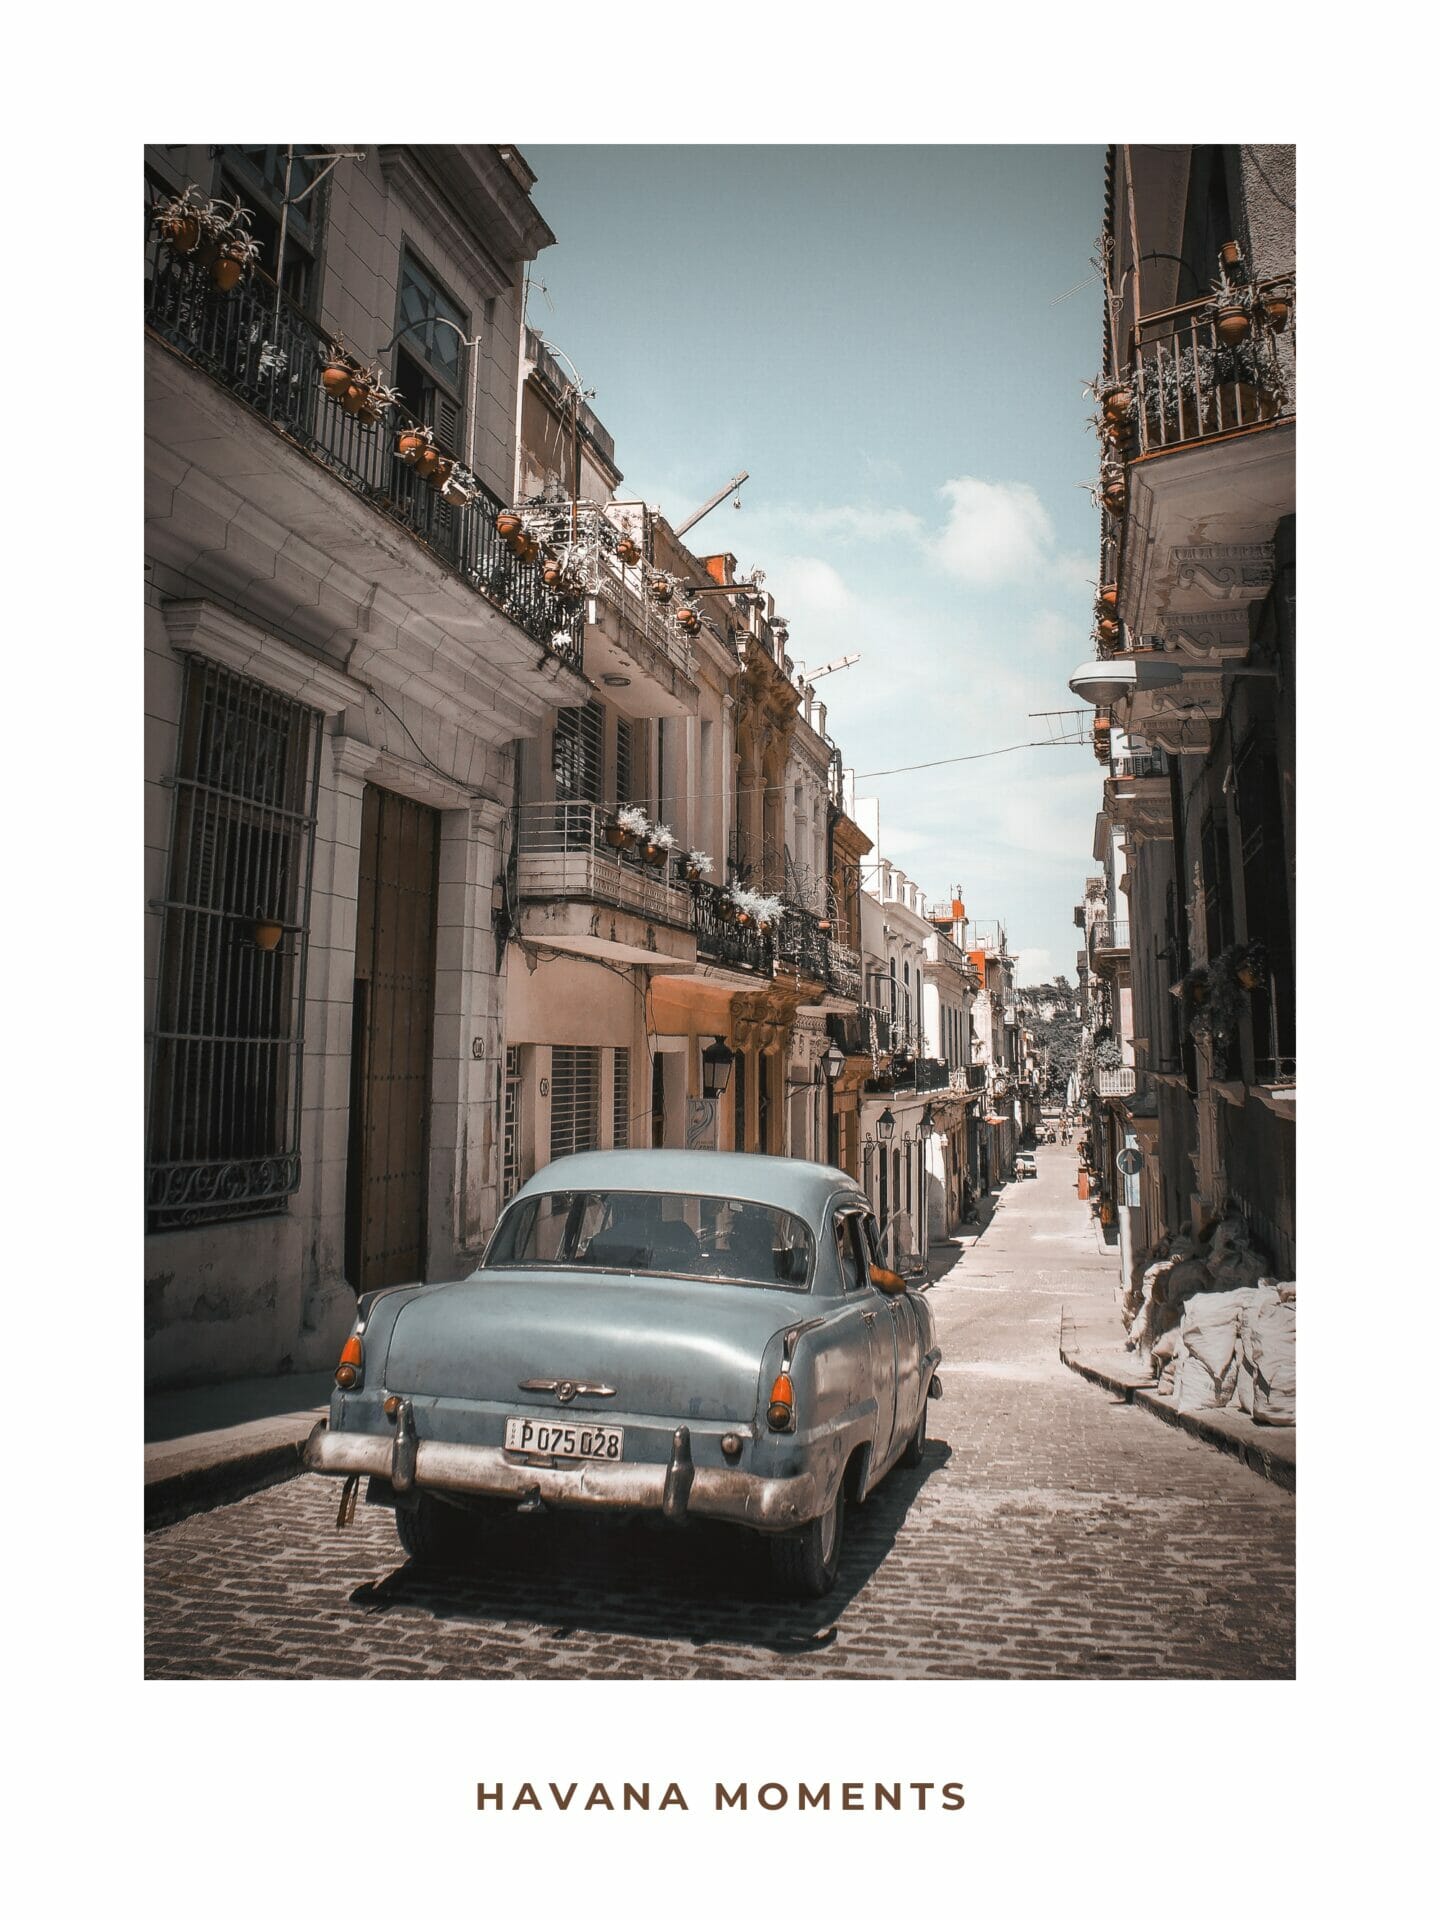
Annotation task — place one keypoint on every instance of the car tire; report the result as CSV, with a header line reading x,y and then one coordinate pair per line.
x,y
914,1452
434,1534
805,1560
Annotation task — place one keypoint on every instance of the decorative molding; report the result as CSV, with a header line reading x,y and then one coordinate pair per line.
x,y
359,760
199,626
1223,634
413,186
1234,571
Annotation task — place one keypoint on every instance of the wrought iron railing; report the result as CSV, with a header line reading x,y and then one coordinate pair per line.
x,y
1141,766
565,852
256,343
801,943
1189,385
1110,936
722,940
842,970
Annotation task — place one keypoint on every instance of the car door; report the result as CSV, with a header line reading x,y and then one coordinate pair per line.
x,y
877,1314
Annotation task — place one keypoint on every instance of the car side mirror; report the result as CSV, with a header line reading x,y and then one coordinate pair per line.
x,y
886,1280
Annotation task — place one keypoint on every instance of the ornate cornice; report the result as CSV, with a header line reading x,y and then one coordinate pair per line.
x,y
199,626
1233,571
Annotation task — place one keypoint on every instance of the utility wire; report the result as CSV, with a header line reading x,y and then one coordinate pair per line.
x,y
991,753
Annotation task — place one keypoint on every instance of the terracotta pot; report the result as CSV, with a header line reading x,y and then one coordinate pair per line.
x,y
1248,978
268,934
411,444
207,253
654,856
181,232
1231,325
742,919
615,834
441,471
335,378
526,548
1108,598
627,552
1277,313
1230,254
1108,629
354,396
1113,497
1117,405
508,524
226,272
427,463
552,573
688,620
662,590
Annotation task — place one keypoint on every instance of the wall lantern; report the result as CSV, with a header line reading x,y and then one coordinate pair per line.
x,y
885,1125
833,1061
926,1129
716,1062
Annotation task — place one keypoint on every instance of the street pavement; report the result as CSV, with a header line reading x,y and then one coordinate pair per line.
x,y
1053,1531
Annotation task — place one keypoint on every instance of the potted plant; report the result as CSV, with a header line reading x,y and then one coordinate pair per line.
x,y
688,620
1252,965
460,486
413,441
1108,598
183,220
658,846
1175,386
1114,394
508,524
632,825
1232,312
696,865
1247,382
267,933
662,588
627,551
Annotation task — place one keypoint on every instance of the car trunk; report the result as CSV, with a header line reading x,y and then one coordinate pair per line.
x,y
681,1349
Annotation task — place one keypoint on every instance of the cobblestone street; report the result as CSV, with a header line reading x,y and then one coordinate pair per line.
x,y
1052,1531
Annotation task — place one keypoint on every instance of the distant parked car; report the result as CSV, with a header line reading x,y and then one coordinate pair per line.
x,y
1025,1168
648,1332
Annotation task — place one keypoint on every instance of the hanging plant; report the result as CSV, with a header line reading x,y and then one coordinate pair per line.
x,y
183,221
661,588
697,865
1252,965
659,843
412,442
688,620
1114,394
460,487
632,824
627,551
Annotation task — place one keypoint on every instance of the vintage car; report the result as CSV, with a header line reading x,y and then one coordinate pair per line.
x,y
648,1332
1025,1168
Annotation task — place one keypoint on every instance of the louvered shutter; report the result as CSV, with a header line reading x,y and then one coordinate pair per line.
x,y
574,1100
620,1115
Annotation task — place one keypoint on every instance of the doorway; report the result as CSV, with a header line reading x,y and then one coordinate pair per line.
x,y
391,1042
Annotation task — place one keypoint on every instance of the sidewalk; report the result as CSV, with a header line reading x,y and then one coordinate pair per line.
x,y
205,1446
1092,1344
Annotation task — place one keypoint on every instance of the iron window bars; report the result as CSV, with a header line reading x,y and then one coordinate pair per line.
x,y
226,1073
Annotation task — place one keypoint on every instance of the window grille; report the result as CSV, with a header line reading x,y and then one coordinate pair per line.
x,y
620,1116
624,763
574,1100
577,753
225,1089
510,1170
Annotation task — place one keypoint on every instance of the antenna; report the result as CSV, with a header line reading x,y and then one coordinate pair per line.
x,y
713,501
831,666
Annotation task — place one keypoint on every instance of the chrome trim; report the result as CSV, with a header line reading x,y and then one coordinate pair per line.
x,y
567,1390
715,1493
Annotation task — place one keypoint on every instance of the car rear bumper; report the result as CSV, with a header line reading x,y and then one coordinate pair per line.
x,y
675,1490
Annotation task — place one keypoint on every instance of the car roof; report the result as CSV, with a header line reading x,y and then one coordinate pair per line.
x,y
767,1177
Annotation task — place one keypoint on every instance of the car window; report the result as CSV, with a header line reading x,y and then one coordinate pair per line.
x,y
850,1252
704,1236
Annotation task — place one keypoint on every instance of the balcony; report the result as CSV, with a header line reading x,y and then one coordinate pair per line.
x,y
720,941
265,352
804,943
632,640
580,894
1114,1083
1109,937
1210,472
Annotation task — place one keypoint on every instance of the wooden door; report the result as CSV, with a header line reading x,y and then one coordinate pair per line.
x,y
392,1041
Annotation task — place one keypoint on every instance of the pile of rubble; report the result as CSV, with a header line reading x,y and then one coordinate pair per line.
x,y
1217,1328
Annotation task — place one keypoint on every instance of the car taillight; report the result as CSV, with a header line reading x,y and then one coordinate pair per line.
x,y
352,1360
780,1414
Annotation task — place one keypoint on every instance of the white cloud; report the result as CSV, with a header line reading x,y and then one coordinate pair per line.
x,y
997,530
1033,967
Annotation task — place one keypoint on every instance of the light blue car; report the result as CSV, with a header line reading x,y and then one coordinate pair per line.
x,y
677,1334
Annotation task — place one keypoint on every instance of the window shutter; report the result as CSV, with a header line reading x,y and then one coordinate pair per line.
x,y
620,1116
574,1100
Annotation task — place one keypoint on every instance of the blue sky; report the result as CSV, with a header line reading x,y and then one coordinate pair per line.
x,y
881,336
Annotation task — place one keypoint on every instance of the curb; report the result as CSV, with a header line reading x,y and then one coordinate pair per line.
x,y
219,1483
1254,1454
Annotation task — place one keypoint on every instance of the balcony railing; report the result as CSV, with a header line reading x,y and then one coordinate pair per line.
x,y
1190,386
1141,766
842,970
1113,1082
1110,936
262,348
721,940
564,855
806,945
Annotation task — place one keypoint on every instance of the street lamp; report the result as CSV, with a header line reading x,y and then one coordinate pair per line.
x,y
885,1126
833,1061
716,1062
926,1128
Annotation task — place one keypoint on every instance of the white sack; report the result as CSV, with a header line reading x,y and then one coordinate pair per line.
x,y
1267,1336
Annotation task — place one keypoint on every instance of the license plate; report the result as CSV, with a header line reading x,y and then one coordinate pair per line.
x,y
564,1440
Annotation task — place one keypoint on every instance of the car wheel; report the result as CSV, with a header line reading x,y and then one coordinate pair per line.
x,y
806,1559
433,1533
915,1447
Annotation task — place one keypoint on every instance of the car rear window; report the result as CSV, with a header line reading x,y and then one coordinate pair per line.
x,y
701,1237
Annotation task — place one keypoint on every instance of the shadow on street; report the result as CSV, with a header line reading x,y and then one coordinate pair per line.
x,y
706,1583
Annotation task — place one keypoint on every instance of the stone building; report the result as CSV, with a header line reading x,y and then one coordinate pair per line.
x,y
340,657
1194,680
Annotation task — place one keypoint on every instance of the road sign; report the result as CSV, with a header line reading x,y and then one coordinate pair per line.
x,y
1129,1160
